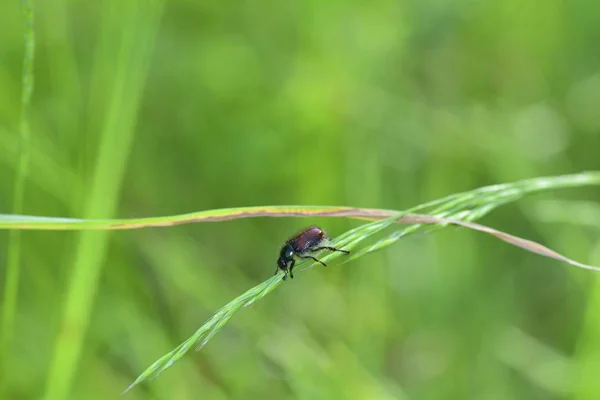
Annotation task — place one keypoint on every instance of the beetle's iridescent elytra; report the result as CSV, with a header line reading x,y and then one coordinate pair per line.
x,y
300,245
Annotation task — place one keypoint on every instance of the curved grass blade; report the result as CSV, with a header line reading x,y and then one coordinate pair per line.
x,y
468,200
525,244
201,337
455,211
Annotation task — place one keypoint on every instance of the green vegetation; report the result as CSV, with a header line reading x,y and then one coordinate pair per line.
x,y
150,108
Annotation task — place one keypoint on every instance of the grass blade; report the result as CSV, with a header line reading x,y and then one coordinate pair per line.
x,y
11,288
461,209
132,60
201,337
478,198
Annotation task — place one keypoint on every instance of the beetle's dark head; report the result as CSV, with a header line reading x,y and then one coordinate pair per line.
x,y
285,256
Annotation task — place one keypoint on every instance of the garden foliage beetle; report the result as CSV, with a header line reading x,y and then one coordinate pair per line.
x,y
300,245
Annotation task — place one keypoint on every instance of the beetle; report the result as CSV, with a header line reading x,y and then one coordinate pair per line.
x,y
300,245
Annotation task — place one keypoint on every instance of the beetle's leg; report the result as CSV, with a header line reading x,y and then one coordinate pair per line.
x,y
329,248
291,267
314,259
285,272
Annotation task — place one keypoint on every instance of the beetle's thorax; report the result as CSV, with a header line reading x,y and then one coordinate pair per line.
x,y
285,256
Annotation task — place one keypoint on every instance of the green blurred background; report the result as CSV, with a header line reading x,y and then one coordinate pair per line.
x,y
144,108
